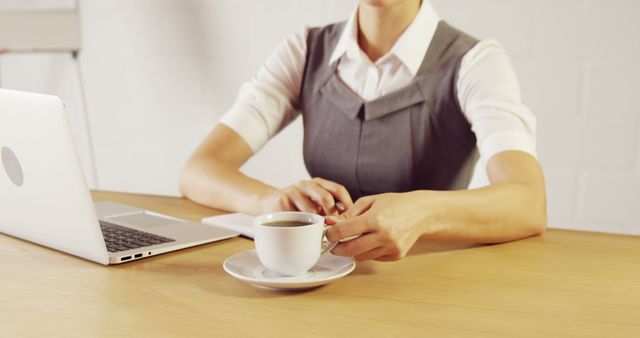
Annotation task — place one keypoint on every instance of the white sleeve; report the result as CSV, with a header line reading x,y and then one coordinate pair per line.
x,y
269,101
489,96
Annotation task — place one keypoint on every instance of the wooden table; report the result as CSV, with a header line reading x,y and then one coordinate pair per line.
x,y
561,284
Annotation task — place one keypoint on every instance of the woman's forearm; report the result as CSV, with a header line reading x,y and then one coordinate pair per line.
x,y
212,177
497,213
217,185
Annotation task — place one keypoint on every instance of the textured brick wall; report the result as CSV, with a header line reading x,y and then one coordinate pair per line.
x,y
159,73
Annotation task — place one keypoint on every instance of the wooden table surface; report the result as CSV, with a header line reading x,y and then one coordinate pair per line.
x,y
561,284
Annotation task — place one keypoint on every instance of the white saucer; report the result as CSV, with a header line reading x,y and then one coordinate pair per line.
x,y
246,267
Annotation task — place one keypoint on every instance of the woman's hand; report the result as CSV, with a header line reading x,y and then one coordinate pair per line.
x,y
316,195
386,226
512,207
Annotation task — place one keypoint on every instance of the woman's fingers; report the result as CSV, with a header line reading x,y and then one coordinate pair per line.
x,y
360,207
349,228
317,194
300,201
358,246
377,253
338,191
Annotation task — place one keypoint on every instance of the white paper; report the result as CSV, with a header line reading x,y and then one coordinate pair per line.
x,y
238,222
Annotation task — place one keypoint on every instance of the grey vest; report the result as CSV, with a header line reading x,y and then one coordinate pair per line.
x,y
413,138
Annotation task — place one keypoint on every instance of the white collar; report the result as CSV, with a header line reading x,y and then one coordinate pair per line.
x,y
410,48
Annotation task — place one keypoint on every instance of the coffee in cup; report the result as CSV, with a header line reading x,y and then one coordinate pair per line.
x,y
290,243
281,224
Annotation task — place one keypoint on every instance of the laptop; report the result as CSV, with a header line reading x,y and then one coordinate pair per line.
x,y
44,197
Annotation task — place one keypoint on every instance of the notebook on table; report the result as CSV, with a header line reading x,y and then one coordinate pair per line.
x,y
237,222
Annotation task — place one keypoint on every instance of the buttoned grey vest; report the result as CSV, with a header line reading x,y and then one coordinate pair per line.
x,y
414,138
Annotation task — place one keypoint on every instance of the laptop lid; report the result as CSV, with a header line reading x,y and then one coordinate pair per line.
x,y
43,193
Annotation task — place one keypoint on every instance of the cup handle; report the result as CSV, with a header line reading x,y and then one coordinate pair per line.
x,y
330,245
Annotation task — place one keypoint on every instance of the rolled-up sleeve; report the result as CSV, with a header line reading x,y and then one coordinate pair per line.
x,y
489,95
269,101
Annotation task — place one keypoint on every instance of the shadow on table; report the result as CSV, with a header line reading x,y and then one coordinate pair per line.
x,y
362,269
245,290
211,278
424,246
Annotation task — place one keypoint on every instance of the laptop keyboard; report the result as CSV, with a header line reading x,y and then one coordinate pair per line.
x,y
119,238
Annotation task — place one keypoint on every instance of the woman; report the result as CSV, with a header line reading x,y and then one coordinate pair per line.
x,y
396,106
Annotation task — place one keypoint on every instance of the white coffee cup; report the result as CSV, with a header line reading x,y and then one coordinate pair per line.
x,y
290,250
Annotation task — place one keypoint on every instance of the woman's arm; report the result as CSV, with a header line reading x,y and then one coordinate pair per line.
x,y
212,177
511,208
265,105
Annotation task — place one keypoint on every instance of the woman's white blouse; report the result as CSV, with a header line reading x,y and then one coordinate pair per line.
x,y
487,87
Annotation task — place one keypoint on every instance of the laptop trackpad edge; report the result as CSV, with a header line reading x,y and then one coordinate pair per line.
x,y
143,220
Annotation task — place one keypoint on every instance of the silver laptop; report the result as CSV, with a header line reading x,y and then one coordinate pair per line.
x,y
44,197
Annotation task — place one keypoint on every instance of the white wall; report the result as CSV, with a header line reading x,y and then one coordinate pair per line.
x,y
159,73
